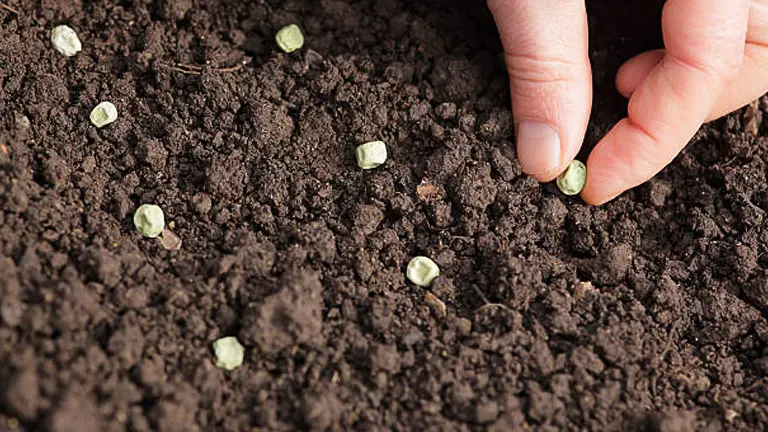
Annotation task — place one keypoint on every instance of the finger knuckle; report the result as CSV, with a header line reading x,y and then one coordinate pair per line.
x,y
529,70
725,68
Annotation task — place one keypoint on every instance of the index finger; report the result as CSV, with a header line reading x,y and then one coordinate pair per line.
x,y
705,42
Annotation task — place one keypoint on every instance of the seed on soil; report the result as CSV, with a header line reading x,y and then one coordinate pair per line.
x,y
372,154
65,41
149,220
572,180
104,114
229,353
289,38
422,271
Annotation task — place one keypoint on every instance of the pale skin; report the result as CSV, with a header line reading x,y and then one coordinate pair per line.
x,y
715,61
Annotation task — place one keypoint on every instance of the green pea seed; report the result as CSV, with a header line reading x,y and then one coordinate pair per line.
x,y
229,353
572,180
104,114
289,38
149,220
422,271
370,155
65,41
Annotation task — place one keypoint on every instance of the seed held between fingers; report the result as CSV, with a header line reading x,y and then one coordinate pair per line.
x,y
573,179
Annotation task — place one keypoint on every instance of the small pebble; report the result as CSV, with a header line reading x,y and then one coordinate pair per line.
x,y
313,58
463,326
170,241
434,303
202,203
582,288
446,111
371,155
422,271
104,114
289,38
486,412
11,311
229,353
65,41
149,220
21,122
427,191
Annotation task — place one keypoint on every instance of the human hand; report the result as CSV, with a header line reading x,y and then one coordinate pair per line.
x,y
715,61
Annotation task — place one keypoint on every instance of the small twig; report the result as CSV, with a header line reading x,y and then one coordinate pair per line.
x,y
749,202
184,71
188,69
670,336
233,68
9,9
189,66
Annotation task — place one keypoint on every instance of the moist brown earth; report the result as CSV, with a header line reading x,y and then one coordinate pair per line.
x,y
648,313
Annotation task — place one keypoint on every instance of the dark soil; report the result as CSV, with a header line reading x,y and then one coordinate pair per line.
x,y
646,314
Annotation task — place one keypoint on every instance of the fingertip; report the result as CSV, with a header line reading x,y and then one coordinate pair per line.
x,y
672,94
635,70
546,50
626,82
589,198
619,162
547,176
592,197
593,194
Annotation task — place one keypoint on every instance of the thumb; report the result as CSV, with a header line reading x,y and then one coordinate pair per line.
x,y
545,45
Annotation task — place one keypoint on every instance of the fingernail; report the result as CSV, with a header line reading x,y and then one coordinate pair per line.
x,y
538,148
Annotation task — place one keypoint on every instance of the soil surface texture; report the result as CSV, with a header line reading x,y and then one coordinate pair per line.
x,y
649,313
